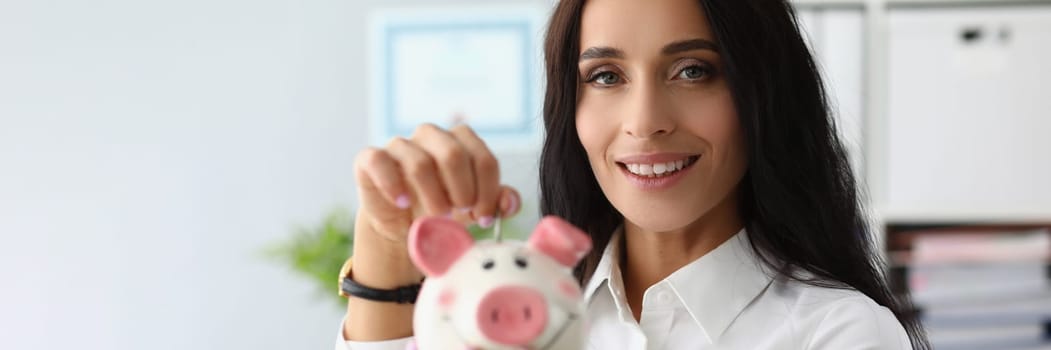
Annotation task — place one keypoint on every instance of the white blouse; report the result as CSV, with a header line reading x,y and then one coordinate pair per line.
x,y
723,300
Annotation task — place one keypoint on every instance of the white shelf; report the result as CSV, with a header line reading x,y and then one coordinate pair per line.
x,y
965,216
963,2
878,3
829,3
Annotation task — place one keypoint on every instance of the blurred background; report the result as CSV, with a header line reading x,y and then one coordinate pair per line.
x,y
178,175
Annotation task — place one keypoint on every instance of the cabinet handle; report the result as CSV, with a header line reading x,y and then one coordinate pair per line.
x,y
1005,34
974,35
971,35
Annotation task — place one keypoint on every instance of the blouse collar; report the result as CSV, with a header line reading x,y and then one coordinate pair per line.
x,y
715,288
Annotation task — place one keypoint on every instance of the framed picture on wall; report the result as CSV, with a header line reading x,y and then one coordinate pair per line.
x,y
479,66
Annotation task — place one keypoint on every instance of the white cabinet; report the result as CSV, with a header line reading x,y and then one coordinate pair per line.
x,y
968,128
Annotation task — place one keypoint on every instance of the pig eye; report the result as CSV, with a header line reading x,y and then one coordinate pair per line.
x,y
521,262
488,264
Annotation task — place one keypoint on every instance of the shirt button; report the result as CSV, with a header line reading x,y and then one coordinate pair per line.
x,y
664,297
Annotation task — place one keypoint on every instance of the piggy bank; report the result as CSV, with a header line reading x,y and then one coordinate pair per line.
x,y
498,294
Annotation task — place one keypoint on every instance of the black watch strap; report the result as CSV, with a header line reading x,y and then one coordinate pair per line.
x,y
401,295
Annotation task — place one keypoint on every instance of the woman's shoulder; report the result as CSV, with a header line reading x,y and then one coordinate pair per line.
x,y
838,317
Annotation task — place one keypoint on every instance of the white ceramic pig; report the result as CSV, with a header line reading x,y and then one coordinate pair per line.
x,y
498,294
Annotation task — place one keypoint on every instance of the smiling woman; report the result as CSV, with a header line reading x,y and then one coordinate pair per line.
x,y
730,87
691,140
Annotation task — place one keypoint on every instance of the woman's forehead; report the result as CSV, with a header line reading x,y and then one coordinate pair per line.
x,y
636,26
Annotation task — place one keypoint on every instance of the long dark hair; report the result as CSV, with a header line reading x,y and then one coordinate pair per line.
x,y
798,199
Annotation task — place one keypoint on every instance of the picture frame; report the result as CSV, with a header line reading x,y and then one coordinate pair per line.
x,y
479,66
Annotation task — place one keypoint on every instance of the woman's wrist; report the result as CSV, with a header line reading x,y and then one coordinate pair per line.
x,y
382,263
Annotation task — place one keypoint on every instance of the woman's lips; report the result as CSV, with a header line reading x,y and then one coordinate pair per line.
x,y
656,172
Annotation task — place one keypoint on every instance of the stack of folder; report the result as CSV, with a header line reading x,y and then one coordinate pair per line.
x,y
981,290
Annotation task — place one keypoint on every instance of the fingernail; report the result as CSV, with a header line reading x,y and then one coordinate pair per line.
x,y
485,221
465,210
512,205
402,201
448,215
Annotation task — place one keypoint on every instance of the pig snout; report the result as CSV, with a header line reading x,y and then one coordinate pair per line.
x,y
512,315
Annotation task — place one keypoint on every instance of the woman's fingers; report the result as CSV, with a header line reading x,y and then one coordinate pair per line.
x,y
438,172
486,171
510,201
380,175
454,162
507,206
422,174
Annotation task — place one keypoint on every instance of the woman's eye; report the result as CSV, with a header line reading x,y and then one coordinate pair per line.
x,y
693,73
605,78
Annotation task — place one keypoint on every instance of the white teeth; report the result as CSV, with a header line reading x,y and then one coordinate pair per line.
x,y
656,169
659,168
645,169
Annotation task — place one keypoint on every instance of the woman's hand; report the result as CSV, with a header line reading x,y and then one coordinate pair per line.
x,y
434,172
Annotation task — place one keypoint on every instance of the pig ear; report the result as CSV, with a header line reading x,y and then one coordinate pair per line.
x,y
560,240
435,243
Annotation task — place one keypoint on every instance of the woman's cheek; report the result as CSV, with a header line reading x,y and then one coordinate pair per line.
x,y
593,133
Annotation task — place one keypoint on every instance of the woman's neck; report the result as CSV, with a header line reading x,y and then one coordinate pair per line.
x,y
648,257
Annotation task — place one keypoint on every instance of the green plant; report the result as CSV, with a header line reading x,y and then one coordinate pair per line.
x,y
318,252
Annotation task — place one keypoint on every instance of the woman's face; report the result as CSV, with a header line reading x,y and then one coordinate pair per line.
x,y
654,111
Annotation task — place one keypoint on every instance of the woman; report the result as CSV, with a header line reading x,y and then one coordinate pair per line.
x,y
692,141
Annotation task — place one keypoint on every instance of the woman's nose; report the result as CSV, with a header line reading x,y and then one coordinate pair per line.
x,y
648,113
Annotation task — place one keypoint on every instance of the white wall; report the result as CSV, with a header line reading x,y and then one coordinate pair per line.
x,y
148,150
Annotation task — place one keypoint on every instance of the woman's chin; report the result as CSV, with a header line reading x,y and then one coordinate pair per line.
x,y
657,223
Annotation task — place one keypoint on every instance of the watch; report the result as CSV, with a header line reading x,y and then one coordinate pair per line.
x,y
348,287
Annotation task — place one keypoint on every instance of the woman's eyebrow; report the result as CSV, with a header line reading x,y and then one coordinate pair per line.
x,y
689,45
670,49
601,52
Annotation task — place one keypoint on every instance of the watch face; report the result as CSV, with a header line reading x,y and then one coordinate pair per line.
x,y
343,272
